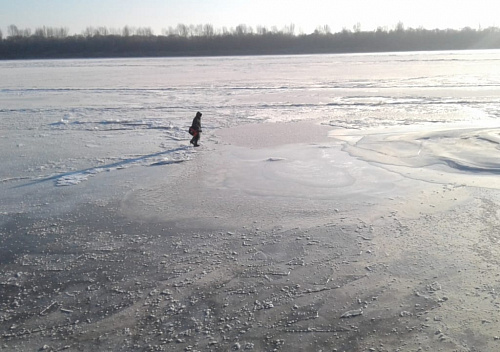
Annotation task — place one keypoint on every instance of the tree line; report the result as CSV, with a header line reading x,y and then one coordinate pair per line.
x,y
205,40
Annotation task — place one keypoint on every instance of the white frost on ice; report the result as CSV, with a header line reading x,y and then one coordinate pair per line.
x,y
177,155
73,179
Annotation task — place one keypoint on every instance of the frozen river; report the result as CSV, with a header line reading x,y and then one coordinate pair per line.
x,y
65,121
338,202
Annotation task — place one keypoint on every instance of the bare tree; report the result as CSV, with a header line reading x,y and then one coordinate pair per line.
x,y
127,31
171,31
346,31
195,30
115,31
50,32
95,32
13,31
144,32
261,30
400,27
103,31
289,30
88,32
243,29
208,30
63,32
179,41
325,29
40,32
182,30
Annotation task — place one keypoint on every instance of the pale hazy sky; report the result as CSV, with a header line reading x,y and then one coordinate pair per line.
x,y
306,15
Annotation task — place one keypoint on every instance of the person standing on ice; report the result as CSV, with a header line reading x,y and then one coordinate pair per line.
x,y
195,129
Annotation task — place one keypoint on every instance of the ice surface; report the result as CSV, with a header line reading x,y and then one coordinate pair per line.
x,y
462,153
326,186
431,116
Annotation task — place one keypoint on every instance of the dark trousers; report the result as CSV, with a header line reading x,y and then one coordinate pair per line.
x,y
196,138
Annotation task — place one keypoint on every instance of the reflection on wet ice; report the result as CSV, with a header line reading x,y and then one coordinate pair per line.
x,y
442,155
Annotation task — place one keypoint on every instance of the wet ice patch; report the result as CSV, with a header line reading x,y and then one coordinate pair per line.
x,y
297,172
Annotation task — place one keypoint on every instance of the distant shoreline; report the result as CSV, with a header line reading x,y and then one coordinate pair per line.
x,y
249,44
187,55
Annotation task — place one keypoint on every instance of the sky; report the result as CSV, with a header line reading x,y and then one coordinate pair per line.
x,y
305,15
